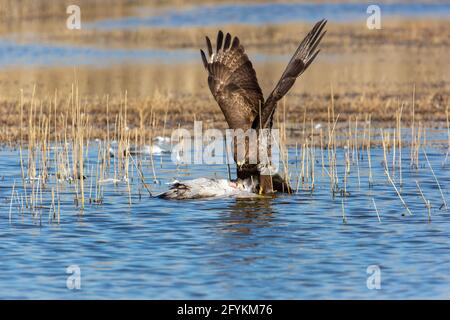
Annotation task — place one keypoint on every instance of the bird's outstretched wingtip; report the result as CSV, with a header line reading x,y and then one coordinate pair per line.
x,y
219,40
205,61
321,23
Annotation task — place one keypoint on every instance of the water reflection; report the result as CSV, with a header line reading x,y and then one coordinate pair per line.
x,y
244,215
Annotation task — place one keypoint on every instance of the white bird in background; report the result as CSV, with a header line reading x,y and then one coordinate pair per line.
x,y
160,145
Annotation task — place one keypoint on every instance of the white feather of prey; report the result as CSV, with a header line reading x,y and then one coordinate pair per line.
x,y
208,188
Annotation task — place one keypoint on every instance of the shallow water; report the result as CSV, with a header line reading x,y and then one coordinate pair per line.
x,y
267,13
293,246
13,54
35,54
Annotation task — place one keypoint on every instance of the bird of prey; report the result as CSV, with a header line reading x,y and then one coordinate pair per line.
x,y
233,83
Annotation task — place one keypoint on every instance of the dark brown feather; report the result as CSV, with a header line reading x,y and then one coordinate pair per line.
x,y
205,62
209,46
226,46
232,81
219,40
300,61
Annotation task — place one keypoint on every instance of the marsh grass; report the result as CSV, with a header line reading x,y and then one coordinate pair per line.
x,y
55,144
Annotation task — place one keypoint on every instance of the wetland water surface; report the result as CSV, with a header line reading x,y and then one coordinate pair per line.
x,y
287,247
269,13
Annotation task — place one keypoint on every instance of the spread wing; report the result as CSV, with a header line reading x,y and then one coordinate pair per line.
x,y
300,61
232,81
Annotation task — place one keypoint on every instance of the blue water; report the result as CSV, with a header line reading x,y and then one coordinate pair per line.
x,y
270,13
35,54
40,54
287,247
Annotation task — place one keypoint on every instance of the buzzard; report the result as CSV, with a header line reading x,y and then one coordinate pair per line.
x,y
233,83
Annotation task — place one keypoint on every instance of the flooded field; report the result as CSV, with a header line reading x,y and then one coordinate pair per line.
x,y
85,126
